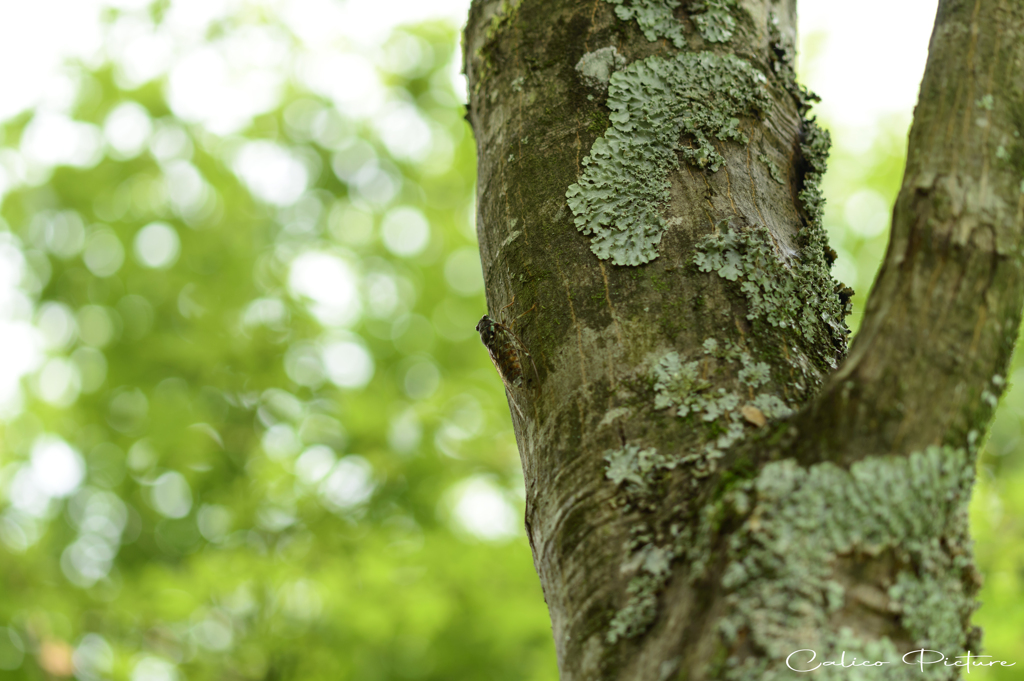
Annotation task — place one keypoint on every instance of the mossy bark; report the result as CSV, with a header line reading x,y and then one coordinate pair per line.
x,y
706,491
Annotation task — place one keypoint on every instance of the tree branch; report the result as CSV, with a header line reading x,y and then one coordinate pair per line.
x,y
930,361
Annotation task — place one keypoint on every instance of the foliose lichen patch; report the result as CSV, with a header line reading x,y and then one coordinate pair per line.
x,y
652,567
656,18
815,254
800,295
618,198
713,20
773,169
636,470
815,145
724,414
634,467
781,572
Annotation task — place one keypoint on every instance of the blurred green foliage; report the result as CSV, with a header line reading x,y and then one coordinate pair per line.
x,y
247,428
261,439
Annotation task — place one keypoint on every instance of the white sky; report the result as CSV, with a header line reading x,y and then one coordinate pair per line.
x,y
871,62
872,57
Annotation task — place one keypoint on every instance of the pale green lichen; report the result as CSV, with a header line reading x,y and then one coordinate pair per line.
x,y
934,607
596,68
714,22
773,169
635,469
676,383
814,145
781,576
815,258
755,374
641,607
717,406
618,198
771,406
656,18
684,388
635,466
802,295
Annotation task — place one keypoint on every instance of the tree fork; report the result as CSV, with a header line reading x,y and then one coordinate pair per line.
x,y
705,492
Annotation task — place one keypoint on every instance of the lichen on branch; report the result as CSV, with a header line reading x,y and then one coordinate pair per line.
x,y
907,511
724,414
800,295
713,20
619,197
656,18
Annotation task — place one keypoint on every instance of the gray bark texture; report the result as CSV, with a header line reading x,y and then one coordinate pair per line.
x,y
712,481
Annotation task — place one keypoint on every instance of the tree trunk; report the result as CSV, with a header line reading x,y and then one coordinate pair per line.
x,y
706,492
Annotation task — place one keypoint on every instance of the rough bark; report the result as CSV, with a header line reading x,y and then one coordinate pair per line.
x,y
706,493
